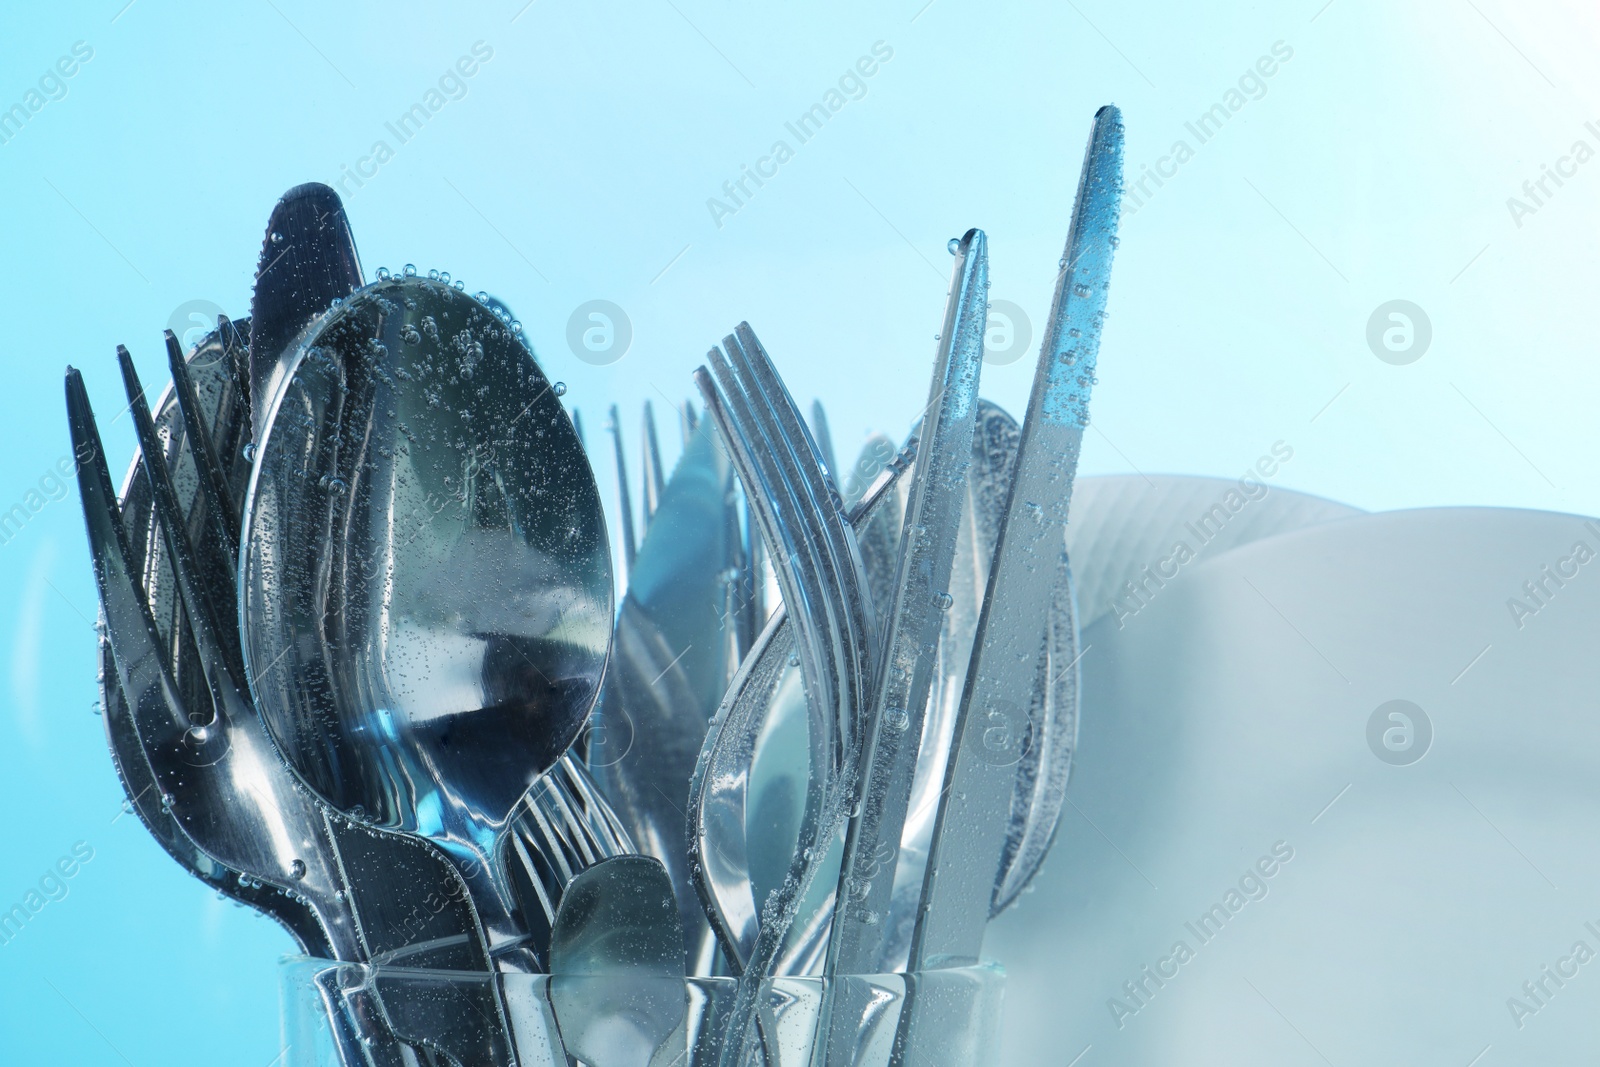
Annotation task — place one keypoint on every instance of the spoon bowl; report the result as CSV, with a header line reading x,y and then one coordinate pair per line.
x,y
425,573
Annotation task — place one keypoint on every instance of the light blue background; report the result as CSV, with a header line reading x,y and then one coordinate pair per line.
x,y
1377,165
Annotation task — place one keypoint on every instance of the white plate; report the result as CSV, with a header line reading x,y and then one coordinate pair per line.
x,y
1231,717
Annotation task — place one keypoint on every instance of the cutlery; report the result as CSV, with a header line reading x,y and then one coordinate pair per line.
x,y
654,477
994,453
427,579
905,674
308,260
217,778
672,658
820,571
824,439
1029,582
617,964
218,357
624,494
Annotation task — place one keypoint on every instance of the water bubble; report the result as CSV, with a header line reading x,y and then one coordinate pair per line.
x,y
166,801
298,869
953,245
896,719
411,270
410,335
481,296
560,388
250,451
945,600
460,286
516,327
433,275
444,276
794,660
1080,290
276,238
197,735
383,274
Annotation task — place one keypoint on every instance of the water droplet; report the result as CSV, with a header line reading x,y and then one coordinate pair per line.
x,y
298,869
945,600
560,388
383,274
277,238
433,275
411,270
954,245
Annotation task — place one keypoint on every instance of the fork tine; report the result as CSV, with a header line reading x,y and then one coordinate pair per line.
x,y
213,482
136,645
217,642
688,420
819,429
629,546
655,482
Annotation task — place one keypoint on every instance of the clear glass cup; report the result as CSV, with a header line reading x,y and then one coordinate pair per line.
x,y
346,1015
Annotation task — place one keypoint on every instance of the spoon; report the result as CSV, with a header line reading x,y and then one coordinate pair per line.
x,y
425,577
617,963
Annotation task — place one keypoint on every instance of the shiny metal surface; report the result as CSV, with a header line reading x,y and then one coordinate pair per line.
x,y
820,572
988,486
199,752
426,574
671,660
1029,589
308,260
617,935
893,730
216,369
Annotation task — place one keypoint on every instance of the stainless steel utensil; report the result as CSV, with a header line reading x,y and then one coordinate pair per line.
x,y
994,453
1028,607
308,260
217,777
820,572
617,963
905,675
426,576
674,650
